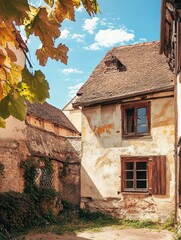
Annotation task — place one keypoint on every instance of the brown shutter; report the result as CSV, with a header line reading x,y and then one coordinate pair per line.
x,y
157,175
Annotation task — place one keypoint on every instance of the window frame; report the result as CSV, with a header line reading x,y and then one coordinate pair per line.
x,y
123,177
156,174
135,106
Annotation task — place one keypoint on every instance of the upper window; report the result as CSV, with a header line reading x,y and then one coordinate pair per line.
x,y
136,119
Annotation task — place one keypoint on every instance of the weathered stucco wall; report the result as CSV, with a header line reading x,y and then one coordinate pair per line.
x,y
12,150
102,147
49,126
20,141
73,114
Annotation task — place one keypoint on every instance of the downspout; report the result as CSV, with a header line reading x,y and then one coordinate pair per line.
x,y
176,149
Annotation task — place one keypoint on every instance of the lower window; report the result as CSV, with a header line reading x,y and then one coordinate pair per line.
x,y
135,174
144,174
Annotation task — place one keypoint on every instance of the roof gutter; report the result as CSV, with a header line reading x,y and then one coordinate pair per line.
x,y
119,98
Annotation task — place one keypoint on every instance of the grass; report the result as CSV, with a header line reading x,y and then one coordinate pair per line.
x,y
71,221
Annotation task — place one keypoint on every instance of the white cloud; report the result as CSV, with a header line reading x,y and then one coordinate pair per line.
x,y
78,37
90,24
110,37
67,71
143,39
64,34
72,90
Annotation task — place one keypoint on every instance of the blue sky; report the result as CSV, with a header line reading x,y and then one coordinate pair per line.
x,y
120,23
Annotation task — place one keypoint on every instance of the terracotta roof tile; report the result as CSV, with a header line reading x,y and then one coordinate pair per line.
x,y
134,69
50,113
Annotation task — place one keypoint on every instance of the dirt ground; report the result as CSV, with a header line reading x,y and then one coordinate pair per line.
x,y
109,233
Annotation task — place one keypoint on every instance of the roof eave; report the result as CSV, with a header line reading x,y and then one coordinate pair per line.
x,y
118,98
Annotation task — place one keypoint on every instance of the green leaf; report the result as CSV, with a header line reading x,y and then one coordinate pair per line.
x,y
4,111
34,87
16,106
13,104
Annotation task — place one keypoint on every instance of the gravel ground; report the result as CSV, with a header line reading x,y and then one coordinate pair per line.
x,y
109,233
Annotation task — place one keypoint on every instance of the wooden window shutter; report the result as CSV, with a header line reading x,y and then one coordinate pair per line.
x,y
157,175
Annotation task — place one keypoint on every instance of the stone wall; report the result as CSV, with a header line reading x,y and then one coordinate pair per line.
x,y
21,141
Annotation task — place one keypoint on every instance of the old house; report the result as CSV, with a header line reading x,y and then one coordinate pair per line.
x,y
128,135
73,113
170,45
46,133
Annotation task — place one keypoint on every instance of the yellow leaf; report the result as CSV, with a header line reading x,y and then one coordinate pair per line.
x,y
1,92
15,73
59,54
64,9
91,6
47,29
7,35
2,57
76,3
11,54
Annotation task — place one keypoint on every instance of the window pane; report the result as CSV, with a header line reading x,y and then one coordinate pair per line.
x,y
141,111
142,128
128,166
141,184
141,165
141,120
129,184
141,175
130,120
129,175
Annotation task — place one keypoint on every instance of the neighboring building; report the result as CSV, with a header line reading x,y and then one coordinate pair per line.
x,y
46,133
170,45
73,114
128,135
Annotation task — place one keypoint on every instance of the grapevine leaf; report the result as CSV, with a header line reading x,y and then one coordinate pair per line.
x,y
2,123
50,2
42,26
7,35
64,9
59,54
1,92
34,87
11,54
14,10
16,106
4,111
15,73
2,57
91,6
76,3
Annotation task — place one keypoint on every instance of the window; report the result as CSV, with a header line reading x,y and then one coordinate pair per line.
x,y
144,174
136,119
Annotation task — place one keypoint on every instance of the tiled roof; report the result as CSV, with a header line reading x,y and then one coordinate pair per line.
x,y
50,113
124,71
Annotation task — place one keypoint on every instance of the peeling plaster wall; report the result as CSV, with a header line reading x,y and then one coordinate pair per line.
x,y
20,141
12,150
102,147
66,152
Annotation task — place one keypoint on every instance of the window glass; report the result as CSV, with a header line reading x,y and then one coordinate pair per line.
x,y
135,175
130,120
141,120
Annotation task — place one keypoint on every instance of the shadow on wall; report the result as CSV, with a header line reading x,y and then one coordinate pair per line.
x,y
88,187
